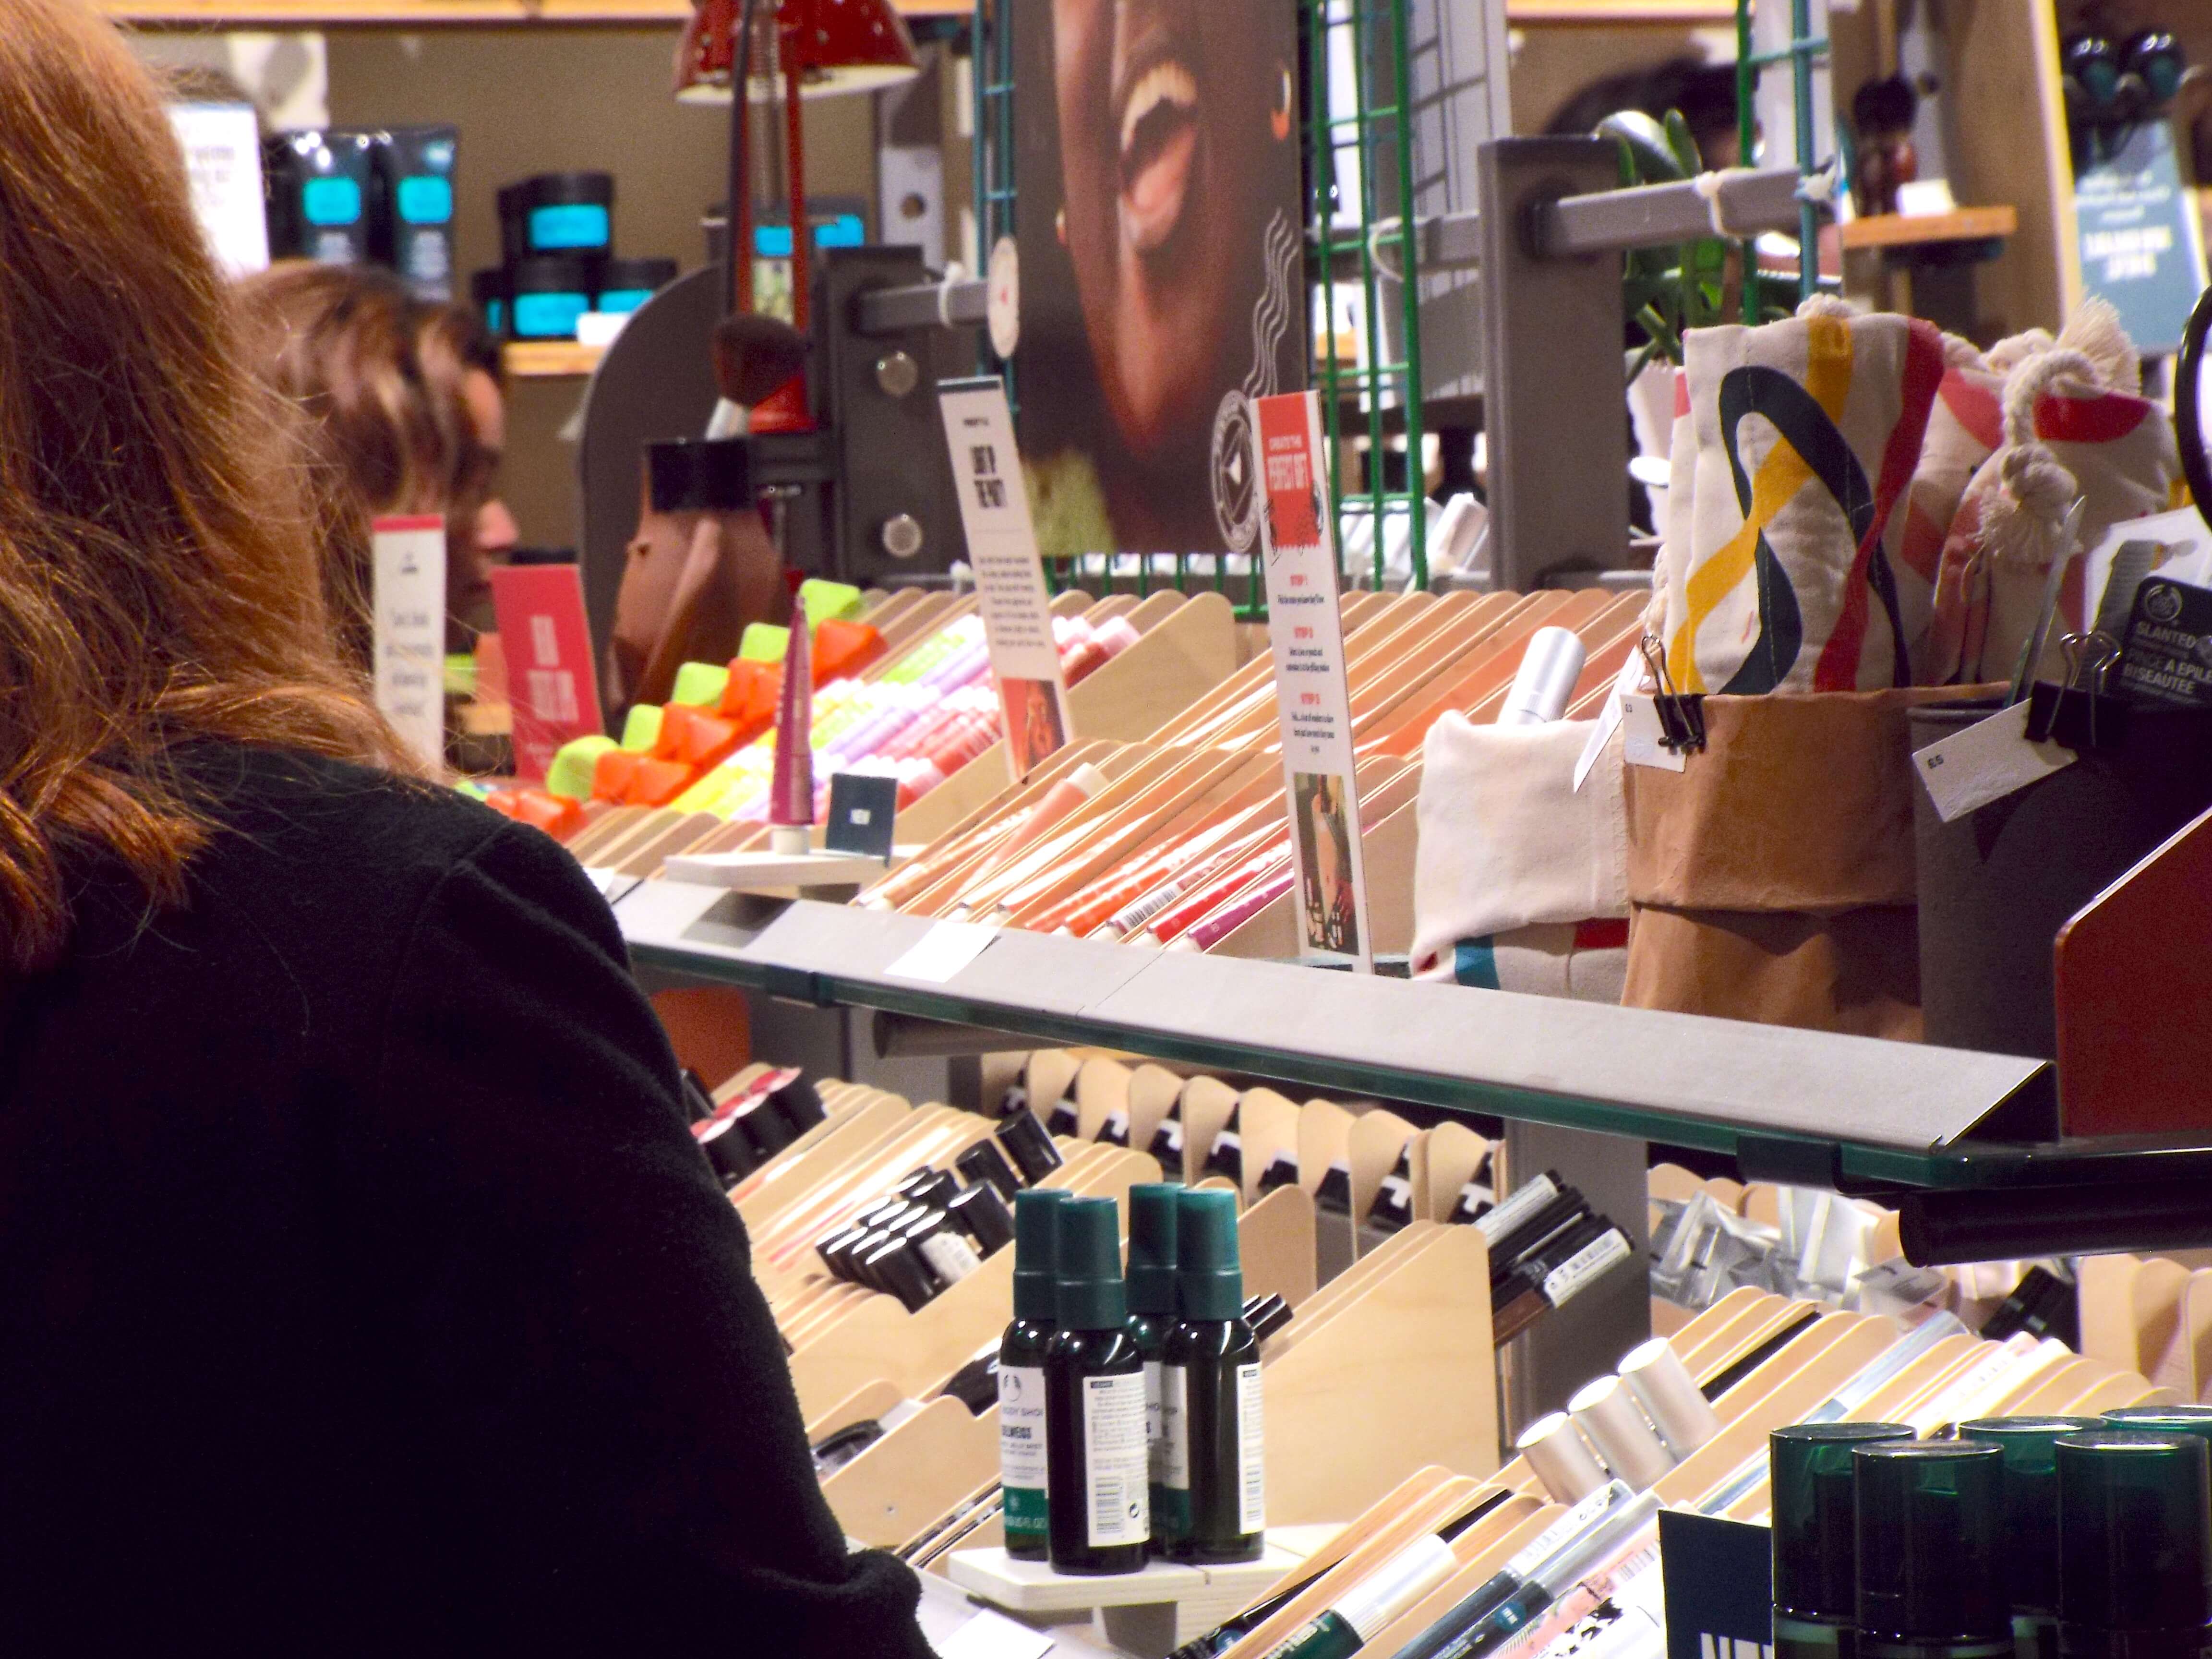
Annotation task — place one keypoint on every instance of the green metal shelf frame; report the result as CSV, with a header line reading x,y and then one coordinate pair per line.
x,y
2000,1175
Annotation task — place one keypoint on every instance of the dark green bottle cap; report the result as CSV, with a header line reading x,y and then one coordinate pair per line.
x,y
1210,1280
2031,1502
1809,1477
1152,1248
1089,1256
2163,1420
2135,1530
1037,1290
1931,1531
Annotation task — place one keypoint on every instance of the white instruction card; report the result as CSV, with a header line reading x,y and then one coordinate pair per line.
x,y
408,608
1002,549
1313,702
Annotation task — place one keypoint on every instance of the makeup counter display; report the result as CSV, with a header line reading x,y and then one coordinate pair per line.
x,y
1836,853
1376,1500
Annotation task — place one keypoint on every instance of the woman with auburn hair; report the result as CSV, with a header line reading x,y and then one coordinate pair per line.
x,y
362,1290
405,413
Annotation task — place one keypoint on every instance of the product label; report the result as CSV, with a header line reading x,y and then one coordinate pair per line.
x,y
1172,1468
950,1257
1136,915
1525,1202
1115,1459
570,224
1175,1427
1548,1543
1585,1265
425,198
331,201
1021,1447
1251,1453
1155,1445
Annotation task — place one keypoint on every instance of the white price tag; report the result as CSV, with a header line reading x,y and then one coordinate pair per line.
x,y
943,951
1608,724
1986,762
1643,746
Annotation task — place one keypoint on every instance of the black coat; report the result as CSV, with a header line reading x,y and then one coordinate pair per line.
x,y
362,1289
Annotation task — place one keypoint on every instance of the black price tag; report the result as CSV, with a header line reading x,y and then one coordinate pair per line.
x,y
863,808
2167,656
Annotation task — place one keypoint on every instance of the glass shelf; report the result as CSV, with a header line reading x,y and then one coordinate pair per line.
x,y
1960,1139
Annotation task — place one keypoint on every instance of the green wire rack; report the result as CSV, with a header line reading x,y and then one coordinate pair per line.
x,y
1367,148
1803,48
1372,141
994,185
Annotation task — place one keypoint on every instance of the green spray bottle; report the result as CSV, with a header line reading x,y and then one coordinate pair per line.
x,y
1210,1408
1097,1462
1021,1371
1152,1290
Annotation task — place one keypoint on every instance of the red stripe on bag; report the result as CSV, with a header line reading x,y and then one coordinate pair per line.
x,y
1839,667
1975,407
2100,420
1602,933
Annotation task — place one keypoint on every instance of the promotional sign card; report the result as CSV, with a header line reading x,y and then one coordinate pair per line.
x,y
1002,548
1157,285
2167,655
863,815
407,620
1313,700
551,685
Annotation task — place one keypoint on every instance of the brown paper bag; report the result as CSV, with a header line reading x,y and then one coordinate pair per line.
x,y
1771,878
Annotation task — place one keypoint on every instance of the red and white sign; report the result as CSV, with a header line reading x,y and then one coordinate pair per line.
x,y
551,686
1010,585
1313,700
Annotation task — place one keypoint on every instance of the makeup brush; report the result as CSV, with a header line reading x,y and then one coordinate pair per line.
x,y
754,355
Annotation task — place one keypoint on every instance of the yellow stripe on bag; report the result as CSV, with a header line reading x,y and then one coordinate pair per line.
x,y
1780,476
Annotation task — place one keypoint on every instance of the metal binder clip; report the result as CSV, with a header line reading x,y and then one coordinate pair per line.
x,y
2078,714
1681,715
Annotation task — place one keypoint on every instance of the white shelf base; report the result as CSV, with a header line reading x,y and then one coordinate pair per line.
x,y
1147,1613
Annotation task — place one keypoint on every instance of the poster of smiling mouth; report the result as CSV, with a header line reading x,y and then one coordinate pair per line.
x,y
1159,233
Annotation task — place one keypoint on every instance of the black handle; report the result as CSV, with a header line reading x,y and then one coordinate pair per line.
x,y
2188,419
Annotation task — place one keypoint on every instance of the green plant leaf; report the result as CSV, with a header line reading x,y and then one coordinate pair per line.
x,y
1683,146
1645,140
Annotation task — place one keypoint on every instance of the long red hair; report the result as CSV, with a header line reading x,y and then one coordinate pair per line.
x,y
159,581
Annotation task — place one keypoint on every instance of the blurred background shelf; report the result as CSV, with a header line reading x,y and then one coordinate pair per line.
x,y
543,360
1974,224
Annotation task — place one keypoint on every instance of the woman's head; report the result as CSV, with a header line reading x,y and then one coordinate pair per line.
x,y
158,578
405,415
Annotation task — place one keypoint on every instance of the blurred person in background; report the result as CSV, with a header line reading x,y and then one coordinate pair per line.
x,y
407,415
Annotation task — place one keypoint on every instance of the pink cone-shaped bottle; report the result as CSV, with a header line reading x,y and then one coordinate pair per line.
x,y
791,792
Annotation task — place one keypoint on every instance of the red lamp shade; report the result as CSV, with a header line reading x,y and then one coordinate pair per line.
x,y
836,45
